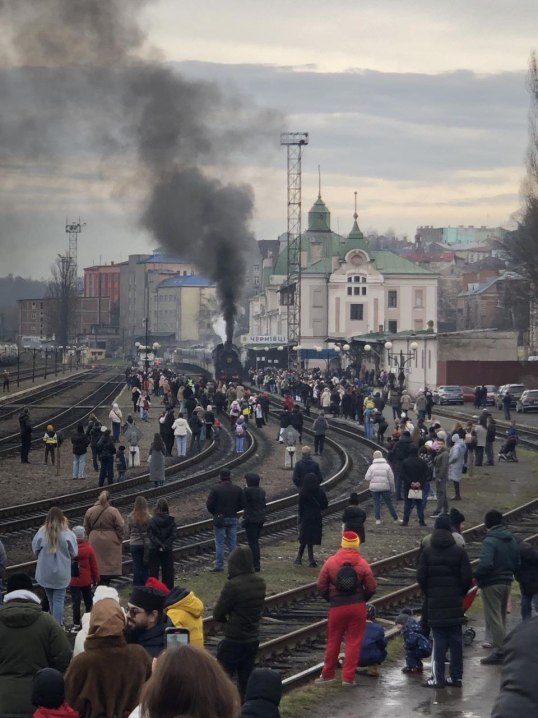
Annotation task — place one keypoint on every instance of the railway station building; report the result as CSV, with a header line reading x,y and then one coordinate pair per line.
x,y
347,289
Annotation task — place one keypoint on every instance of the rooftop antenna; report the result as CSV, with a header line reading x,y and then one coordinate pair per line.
x,y
73,229
319,181
355,215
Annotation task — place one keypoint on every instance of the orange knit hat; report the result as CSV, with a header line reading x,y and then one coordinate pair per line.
x,y
350,540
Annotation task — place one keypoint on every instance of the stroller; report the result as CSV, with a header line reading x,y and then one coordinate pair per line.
x,y
469,634
508,451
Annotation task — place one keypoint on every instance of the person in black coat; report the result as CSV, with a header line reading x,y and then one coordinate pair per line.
x,y
167,432
312,501
400,452
161,534
80,443
25,428
354,517
296,421
444,574
106,450
414,473
527,577
263,694
518,697
306,465
253,514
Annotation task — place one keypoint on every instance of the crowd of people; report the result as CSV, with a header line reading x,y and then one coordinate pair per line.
x,y
153,676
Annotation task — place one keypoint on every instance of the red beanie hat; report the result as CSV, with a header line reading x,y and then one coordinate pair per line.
x,y
155,583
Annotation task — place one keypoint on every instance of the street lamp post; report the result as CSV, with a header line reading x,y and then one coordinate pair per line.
x,y
400,359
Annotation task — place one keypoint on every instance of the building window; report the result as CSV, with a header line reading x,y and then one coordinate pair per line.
x,y
363,291
256,267
356,291
350,291
184,272
363,280
392,299
357,279
419,298
34,316
392,327
350,279
255,280
356,312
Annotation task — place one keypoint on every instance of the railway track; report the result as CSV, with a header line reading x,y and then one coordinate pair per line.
x,y
12,407
294,626
192,539
67,418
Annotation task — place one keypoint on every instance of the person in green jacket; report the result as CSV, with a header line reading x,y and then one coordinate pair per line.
x,y
30,640
499,559
240,607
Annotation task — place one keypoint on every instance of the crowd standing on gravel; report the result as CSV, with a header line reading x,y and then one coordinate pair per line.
x,y
41,675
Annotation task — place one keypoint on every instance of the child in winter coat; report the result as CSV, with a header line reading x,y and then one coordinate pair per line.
x,y
416,644
88,573
263,694
374,644
51,442
354,517
48,695
186,610
239,435
121,462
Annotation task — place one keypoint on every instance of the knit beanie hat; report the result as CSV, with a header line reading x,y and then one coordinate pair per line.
x,y
78,531
105,592
443,522
404,616
350,540
48,689
148,598
456,517
378,455
155,583
493,518
19,582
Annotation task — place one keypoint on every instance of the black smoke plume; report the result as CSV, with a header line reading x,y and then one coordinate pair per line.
x,y
82,79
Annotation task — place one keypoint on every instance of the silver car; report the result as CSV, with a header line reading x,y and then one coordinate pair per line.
x,y
448,395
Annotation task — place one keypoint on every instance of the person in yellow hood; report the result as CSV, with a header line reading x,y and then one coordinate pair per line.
x,y
185,610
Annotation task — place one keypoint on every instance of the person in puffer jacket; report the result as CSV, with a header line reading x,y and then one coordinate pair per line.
x,y
347,610
381,480
263,694
374,644
185,610
416,645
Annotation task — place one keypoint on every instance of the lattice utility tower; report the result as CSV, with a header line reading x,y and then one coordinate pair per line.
x,y
294,141
73,229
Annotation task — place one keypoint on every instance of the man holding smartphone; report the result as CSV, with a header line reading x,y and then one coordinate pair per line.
x,y
145,622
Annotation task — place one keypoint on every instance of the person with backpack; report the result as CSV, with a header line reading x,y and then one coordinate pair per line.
x,y
346,581
239,435
84,573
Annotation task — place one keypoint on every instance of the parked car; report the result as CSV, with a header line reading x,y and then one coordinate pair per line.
x,y
468,394
528,401
516,390
448,395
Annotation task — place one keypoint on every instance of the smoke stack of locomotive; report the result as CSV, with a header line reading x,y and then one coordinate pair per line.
x,y
85,68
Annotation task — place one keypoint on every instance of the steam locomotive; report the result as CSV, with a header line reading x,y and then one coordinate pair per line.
x,y
227,363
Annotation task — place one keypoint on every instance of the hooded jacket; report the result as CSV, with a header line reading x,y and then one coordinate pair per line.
x,y
401,449
353,519
305,466
441,465
444,574
499,558
456,458
185,610
254,502
373,646
518,696
263,694
80,443
100,593
527,573
29,640
326,584
25,425
162,531
240,604
380,476
87,563
153,639
107,678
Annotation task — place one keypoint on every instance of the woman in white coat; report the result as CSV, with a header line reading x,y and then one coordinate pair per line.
x,y
381,485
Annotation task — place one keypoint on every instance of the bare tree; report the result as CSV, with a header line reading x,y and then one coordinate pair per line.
x,y
62,291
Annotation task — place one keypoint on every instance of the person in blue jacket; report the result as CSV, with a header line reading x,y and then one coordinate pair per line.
x,y
374,644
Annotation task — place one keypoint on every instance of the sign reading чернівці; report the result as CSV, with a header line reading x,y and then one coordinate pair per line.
x,y
263,339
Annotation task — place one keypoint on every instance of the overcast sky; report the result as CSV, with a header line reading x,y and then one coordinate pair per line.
x,y
419,106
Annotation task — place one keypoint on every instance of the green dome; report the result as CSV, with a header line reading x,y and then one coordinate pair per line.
x,y
319,217
355,239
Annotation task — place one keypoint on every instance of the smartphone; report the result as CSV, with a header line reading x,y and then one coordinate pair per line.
x,y
176,636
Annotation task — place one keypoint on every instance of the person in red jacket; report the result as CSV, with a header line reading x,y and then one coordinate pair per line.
x,y
347,582
88,573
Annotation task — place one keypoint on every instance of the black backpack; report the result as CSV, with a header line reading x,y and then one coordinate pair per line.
x,y
347,580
